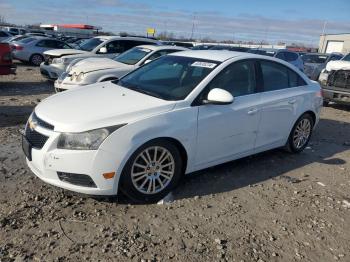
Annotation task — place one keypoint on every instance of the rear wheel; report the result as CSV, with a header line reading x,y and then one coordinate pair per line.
x,y
36,59
300,134
152,171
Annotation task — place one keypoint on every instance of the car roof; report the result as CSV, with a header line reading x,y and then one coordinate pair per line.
x,y
162,47
109,37
214,55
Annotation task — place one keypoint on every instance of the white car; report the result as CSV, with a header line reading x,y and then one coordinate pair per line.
x,y
57,61
180,113
93,70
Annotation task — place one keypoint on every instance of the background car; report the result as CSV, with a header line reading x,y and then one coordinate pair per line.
x,y
6,64
314,63
202,47
230,48
32,49
4,35
92,70
178,114
15,30
284,54
56,61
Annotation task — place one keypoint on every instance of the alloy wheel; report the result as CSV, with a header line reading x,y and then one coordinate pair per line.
x,y
302,133
152,170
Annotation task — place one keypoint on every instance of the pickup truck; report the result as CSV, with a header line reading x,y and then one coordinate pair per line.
x,y
6,65
335,81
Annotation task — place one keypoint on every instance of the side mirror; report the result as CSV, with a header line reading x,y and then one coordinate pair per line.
x,y
218,96
103,50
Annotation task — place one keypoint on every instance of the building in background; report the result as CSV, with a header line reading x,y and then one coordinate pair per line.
x,y
71,29
335,43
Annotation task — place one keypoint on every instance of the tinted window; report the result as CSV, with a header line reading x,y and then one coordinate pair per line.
x,y
290,56
346,58
47,43
281,55
61,45
277,76
131,43
161,53
237,78
169,77
335,57
27,40
2,34
115,47
314,59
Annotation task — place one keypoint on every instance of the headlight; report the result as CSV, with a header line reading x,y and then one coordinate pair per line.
x,y
58,60
80,77
90,140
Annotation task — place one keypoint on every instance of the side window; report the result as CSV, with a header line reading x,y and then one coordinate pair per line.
x,y
237,78
42,43
290,56
115,47
277,76
281,55
334,58
2,34
61,45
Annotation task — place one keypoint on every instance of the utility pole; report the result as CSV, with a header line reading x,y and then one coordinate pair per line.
x,y
193,21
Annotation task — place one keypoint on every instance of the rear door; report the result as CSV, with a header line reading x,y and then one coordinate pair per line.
x,y
281,99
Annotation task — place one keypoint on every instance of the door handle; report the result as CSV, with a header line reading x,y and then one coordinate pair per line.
x,y
252,111
292,101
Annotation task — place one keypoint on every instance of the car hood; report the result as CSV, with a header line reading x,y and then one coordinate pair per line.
x,y
98,105
94,64
63,52
338,65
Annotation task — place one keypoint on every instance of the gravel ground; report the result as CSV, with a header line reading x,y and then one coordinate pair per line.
x,y
272,206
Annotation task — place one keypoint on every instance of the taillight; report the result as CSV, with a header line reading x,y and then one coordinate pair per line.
x,y
18,47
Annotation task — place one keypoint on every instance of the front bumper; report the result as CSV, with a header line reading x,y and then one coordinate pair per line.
x,y
51,71
334,95
47,162
60,86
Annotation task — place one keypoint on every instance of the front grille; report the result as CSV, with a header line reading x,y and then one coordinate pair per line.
x,y
340,78
36,139
41,122
76,179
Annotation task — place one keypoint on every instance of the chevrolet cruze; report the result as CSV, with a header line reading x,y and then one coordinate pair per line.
x,y
177,114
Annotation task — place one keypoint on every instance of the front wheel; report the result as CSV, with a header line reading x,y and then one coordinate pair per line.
x,y
152,171
300,134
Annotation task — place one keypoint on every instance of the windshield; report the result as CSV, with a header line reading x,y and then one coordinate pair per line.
x,y
314,59
168,77
346,58
90,44
132,56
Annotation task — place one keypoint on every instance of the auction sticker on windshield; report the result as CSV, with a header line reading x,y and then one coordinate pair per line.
x,y
204,64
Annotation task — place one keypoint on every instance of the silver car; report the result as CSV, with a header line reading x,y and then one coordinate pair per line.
x,y
31,49
314,63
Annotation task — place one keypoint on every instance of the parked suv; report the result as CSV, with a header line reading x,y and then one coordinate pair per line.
x,y
6,65
335,81
56,61
32,49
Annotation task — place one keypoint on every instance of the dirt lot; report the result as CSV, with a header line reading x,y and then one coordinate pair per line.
x,y
270,207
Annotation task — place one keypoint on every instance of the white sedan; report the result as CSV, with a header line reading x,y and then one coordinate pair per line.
x,y
93,70
180,113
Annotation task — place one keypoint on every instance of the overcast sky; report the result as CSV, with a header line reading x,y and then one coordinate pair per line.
x,y
272,21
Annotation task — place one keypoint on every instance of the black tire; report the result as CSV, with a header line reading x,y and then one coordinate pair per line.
x,y
290,146
36,59
127,186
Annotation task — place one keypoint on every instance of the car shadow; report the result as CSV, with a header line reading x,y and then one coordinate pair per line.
x,y
273,164
13,88
14,115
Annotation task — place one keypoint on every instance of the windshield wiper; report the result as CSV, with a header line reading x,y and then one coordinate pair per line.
x,y
140,90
